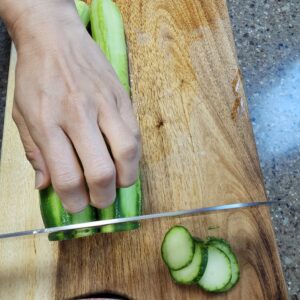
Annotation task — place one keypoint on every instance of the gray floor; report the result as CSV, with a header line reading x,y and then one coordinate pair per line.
x,y
267,35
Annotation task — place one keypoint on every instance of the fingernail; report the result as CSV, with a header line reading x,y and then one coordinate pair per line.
x,y
38,179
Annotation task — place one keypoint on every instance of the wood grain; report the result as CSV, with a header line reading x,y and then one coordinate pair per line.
x,y
198,150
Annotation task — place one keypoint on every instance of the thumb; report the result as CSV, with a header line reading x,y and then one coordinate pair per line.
x,y
33,153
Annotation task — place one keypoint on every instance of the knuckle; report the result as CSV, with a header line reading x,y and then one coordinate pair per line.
x,y
32,154
129,151
103,178
128,181
66,182
137,133
15,115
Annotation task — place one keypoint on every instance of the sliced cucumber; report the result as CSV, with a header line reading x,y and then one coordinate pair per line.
x,y
178,248
218,271
235,270
194,271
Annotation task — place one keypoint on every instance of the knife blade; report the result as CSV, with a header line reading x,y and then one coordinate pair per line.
x,y
97,224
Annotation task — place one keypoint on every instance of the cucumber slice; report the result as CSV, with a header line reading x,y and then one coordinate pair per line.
x,y
218,271
235,270
194,271
178,248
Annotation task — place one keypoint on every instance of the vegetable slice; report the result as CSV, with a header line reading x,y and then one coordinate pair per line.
x,y
194,271
218,271
178,248
235,270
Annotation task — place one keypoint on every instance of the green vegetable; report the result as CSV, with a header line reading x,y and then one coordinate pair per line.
x,y
53,215
127,204
194,271
235,270
218,271
108,32
84,11
211,264
178,248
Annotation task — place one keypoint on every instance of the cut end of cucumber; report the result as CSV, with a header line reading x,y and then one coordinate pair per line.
x,y
218,271
178,248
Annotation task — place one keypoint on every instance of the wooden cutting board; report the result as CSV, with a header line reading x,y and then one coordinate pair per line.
x,y
198,150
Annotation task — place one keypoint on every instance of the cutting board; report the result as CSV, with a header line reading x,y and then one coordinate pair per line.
x,y
198,150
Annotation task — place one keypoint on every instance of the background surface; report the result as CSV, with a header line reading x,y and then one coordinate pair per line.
x,y
267,36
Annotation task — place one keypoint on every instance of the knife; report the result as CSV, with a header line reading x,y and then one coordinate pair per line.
x,y
97,224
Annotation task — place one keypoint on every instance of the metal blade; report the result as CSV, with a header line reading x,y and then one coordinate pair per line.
x,y
96,224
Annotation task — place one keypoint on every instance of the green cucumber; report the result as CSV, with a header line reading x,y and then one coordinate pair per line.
x,y
127,204
107,214
87,215
235,270
218,271
84,11
53,215
108,32
194,271
178,248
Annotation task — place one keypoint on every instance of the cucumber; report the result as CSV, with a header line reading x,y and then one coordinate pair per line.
x,y
235,270
53,215
194,271
107,213
128,203
109,34
178,248
87,215
84,11
218,271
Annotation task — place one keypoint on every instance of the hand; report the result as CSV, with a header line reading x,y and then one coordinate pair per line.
x,y
69,105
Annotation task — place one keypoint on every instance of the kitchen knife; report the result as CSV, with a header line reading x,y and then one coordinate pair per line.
x,y
96,224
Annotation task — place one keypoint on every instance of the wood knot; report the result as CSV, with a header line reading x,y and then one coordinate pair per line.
x,y
160,123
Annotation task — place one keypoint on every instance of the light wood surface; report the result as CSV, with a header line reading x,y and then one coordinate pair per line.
x,y
198,150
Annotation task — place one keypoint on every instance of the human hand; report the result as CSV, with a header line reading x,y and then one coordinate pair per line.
x,y
68,105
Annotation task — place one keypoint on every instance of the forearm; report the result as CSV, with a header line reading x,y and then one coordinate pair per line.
x,y
28,18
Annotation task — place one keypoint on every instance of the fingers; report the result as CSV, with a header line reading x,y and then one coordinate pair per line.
x,y
124,147
99,169
33,153
66,173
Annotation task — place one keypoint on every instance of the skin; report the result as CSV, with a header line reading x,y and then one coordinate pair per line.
x,y
69,105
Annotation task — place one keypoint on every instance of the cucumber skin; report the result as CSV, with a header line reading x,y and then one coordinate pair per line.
x,y
204,255
217,291
161,249
111,39
84,11
53,215
214,241
118,209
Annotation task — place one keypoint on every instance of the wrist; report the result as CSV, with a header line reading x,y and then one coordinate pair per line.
x,y
30,20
